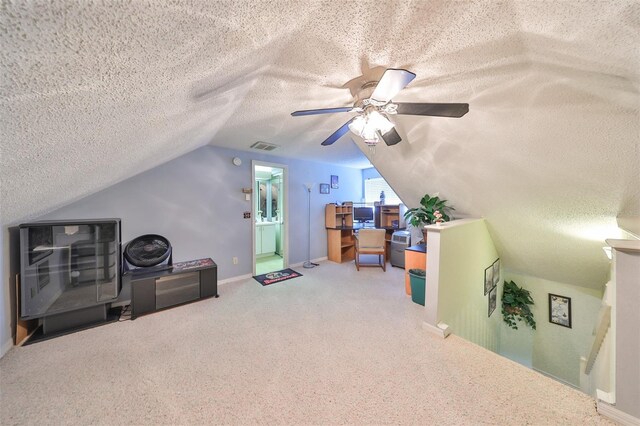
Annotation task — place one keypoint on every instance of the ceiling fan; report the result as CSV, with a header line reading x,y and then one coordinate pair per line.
x,y
373,105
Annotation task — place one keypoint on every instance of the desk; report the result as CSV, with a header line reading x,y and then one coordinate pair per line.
x,y
414,257
341,242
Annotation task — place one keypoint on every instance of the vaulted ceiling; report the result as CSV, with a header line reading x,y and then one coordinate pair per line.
x,y
93,93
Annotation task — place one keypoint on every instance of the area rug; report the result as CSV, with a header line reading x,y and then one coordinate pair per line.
x,y
276,277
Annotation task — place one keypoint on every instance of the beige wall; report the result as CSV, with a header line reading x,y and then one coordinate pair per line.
x,y
552,349
463,249
466,249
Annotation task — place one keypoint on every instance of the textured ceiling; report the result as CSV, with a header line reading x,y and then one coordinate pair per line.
x,y
93,93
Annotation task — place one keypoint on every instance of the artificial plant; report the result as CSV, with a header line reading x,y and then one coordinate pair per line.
x,y
426,213
515,305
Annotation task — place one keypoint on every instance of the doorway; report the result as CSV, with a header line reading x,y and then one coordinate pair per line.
x,y
270,213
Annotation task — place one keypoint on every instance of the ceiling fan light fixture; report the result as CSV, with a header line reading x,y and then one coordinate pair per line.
x,y
357,125
362,127
369,126
373,104
379,122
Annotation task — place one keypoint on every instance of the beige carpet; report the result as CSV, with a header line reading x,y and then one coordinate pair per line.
x,y
334,346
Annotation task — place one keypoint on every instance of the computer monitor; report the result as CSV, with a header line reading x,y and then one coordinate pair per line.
x,y
363,214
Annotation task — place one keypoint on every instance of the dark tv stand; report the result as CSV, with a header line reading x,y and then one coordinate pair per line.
x,y
163,289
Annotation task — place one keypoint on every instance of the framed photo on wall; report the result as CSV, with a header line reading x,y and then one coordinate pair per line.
x,y
493,300
560,310
496,272
488,280
334,182
324,188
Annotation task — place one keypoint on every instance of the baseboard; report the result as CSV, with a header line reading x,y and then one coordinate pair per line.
x,y
246,276
442,330
556,378
611,412
5,347
233,279
320,259
608,397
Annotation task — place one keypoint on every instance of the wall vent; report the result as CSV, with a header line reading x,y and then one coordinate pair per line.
x,y
264,146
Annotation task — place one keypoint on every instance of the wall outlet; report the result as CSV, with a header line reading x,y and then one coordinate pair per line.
x,y
235,260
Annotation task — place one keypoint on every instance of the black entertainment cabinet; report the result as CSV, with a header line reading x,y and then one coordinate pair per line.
x,y
152,291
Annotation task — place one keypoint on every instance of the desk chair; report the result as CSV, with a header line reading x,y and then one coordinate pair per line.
x,y
371,241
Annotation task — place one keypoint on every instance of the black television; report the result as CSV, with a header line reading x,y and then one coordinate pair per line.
x,y
363,214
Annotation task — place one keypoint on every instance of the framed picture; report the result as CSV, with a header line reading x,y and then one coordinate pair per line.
x,y
560,310
334,182
493,299
324,188
488,280
496,272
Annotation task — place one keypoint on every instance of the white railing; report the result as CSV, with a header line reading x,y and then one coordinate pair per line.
x,y
602,326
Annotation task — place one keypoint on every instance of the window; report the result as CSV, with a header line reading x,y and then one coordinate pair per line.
x,y
373,187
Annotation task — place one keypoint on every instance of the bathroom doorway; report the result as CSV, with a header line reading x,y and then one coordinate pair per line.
x,y
270,217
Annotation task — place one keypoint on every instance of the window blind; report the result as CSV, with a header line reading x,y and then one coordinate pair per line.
x,y
373,187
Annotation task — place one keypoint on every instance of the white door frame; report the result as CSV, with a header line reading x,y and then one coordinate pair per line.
x,y
285,204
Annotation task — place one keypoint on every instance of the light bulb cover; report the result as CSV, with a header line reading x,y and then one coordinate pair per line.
x,y
379,122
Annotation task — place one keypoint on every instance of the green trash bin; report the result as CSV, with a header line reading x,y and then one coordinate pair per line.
x,y
417,279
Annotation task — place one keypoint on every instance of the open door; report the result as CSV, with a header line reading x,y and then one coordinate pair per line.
x,y
270,217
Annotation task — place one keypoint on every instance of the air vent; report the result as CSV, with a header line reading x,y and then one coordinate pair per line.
x,y
264,146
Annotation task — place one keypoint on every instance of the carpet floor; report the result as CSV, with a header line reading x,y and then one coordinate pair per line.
x,y
335,346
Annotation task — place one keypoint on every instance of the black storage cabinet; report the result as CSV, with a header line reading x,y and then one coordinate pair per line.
x,y
69,272
163,289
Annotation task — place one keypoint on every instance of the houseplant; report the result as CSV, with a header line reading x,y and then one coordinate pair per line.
x,y
515,305
426,213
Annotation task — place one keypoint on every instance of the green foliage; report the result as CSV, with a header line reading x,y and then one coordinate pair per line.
x,y
515,305
424,215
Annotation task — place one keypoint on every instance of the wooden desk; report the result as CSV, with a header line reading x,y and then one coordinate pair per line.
x,y
338,221
341,242
415,257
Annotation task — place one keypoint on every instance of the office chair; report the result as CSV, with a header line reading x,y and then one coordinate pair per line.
x,y
371,241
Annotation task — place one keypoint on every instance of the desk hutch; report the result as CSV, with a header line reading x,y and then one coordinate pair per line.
x,y
339,224
340,240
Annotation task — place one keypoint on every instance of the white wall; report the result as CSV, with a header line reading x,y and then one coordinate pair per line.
x,y
552,349
627,329
601,376
197,203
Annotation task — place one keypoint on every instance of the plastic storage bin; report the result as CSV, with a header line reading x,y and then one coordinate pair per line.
x,y
418,281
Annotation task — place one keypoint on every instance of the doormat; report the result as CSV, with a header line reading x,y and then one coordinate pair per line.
x,y
276,277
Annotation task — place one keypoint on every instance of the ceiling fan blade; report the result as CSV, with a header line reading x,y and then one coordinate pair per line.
x,y
435,110
320,111
337,134
391,137
392,82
